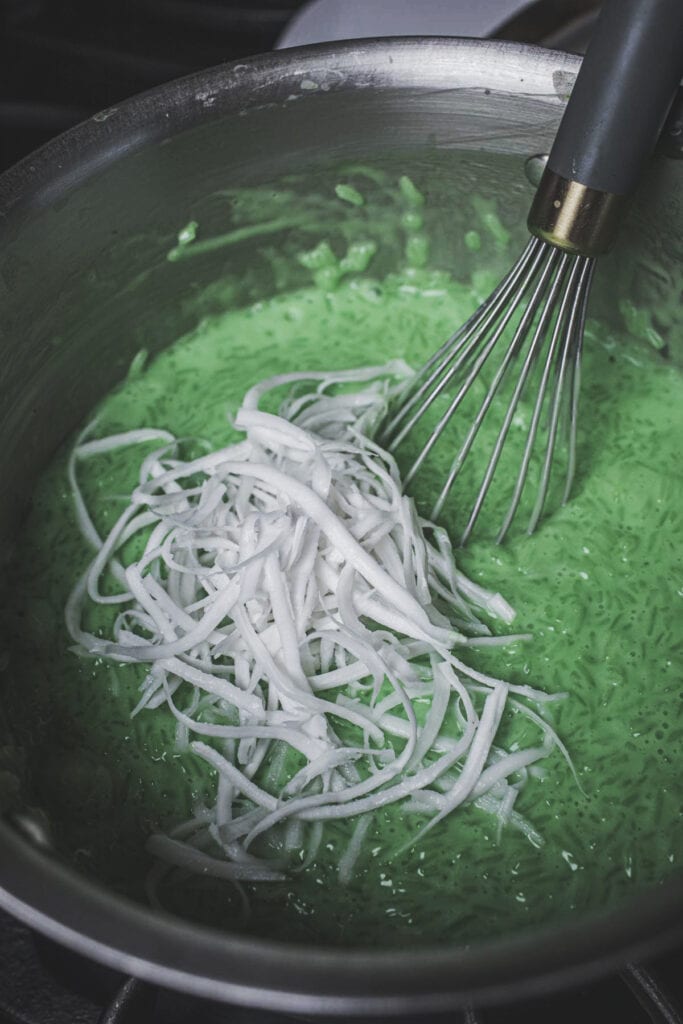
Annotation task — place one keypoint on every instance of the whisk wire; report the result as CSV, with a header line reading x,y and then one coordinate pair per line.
x,y
570,309
447,355
567,301
547,290
480,360
512,350
575,379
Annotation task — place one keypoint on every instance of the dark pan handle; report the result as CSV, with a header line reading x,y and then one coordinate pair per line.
x,y
614,116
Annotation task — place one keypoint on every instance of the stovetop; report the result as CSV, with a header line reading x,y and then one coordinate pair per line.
x,y
62,61
41,983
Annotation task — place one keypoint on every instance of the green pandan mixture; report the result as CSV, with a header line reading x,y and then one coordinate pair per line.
x,y
600,587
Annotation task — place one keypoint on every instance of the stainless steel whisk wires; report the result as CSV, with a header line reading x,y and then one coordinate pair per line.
x,y
542,276
614,116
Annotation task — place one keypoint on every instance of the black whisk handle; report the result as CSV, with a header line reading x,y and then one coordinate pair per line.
x,y
622,95
613,119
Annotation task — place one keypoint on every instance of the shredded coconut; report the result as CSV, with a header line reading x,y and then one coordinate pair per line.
x,y
289,600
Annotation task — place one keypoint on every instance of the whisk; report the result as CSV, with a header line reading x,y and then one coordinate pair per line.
x,y
536,315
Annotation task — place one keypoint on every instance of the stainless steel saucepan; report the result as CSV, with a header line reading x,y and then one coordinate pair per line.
x,y
85,226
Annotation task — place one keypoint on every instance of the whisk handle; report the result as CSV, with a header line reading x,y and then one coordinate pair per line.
x,y
613,119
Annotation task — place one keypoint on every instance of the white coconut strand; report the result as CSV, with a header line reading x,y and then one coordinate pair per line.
x,y
340,538
348,860
182,855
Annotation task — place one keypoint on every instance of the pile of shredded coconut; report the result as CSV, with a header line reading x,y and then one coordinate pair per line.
x,y
289,599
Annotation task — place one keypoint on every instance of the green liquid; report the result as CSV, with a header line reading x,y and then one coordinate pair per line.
x,y
599,586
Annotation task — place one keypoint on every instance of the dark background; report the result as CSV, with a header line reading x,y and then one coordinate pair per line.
x,y
63,60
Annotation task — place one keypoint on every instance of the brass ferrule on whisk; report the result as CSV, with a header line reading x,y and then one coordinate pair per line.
x,y
573,217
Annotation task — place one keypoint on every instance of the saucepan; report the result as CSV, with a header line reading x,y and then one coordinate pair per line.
x,y
86,224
